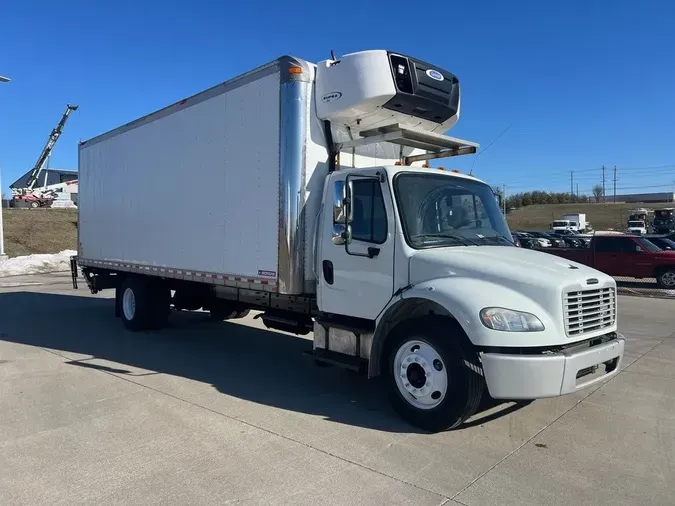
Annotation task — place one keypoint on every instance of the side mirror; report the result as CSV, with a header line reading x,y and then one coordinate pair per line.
x,y
338,202
342,234
638,249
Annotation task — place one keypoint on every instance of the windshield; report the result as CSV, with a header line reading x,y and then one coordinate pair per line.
x,y
662,242
440,211
636,224
648,245
562,223
663,213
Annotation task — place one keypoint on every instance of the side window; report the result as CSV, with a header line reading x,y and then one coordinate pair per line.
x,y
614,245
370,215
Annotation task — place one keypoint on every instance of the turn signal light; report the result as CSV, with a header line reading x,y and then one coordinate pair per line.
x,y
293,69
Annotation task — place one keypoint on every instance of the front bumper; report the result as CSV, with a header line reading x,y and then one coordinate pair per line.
x,y
511,376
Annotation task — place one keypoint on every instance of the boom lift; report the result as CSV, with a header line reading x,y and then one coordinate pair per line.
x,y
40,197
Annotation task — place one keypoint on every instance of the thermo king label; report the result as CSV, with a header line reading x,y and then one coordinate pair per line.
x,y
267,274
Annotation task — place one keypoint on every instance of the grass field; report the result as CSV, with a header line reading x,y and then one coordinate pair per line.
x,y
39,230
601,216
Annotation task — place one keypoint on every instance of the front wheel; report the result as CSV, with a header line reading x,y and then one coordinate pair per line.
x,y
666,278
434,375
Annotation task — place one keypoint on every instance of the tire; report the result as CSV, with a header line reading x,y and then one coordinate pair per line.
x,y
221,311
34,204
144,304
160,305
666,278
432,358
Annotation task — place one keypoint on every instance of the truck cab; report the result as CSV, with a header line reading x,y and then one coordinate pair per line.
x,y
637,227
558,226
424,257
664,220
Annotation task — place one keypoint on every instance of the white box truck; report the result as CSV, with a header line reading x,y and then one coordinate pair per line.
x,y
578,221
301,190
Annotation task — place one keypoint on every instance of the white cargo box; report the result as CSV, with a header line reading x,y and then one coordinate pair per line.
x,y
222,187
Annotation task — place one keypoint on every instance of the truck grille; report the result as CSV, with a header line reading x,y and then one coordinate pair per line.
x,y
589,310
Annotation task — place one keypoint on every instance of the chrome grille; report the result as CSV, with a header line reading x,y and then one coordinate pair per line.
x,y
589,310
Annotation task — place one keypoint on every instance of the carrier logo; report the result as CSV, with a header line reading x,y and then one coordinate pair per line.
x,y
331,97
435,75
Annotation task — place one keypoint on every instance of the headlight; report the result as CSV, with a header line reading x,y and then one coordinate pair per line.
x,y
497,318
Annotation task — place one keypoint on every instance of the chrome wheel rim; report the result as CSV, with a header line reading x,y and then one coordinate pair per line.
x,y
420,374
129,304
668,278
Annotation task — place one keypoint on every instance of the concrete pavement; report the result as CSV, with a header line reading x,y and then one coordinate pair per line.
x,y
211,413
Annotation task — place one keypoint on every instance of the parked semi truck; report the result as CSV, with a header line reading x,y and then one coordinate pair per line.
x,y
664,220
301,191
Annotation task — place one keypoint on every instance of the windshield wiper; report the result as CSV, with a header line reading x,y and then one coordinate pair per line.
x,y
510,241
464,240
495,240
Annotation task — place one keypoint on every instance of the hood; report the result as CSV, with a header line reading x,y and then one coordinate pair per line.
x,y
535,273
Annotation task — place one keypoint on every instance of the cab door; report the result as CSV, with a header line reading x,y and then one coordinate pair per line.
x,y
621,256
356,245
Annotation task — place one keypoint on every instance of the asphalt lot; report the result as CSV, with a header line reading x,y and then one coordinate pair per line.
x,y
218,413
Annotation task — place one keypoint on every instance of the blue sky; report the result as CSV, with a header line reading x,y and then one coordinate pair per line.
x,y
578,83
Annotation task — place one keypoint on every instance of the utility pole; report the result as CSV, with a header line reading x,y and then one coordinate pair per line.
x,y
504,199
577,190
572,183
615,184
2,237
603,183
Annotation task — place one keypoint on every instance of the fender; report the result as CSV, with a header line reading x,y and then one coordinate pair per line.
x,y
460,299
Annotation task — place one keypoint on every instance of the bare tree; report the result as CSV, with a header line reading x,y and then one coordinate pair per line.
x,y
597,192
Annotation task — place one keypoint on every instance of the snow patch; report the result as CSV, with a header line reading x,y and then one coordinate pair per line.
x,y
36,264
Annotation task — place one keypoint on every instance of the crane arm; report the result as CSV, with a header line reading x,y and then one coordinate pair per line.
x,y
49,146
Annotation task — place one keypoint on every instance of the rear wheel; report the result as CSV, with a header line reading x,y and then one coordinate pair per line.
x,y
222,310
144,303
433,374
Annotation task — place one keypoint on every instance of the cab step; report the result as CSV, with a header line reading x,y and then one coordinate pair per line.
x,y
327,357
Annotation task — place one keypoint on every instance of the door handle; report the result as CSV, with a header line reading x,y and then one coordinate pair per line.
x,y
373,252
328,274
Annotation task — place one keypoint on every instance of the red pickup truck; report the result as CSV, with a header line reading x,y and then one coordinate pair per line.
x,y
625,255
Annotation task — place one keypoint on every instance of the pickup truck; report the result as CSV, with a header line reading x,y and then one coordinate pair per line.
x,y
625,255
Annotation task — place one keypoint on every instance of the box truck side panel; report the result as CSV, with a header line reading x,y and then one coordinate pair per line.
x,y
196,189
